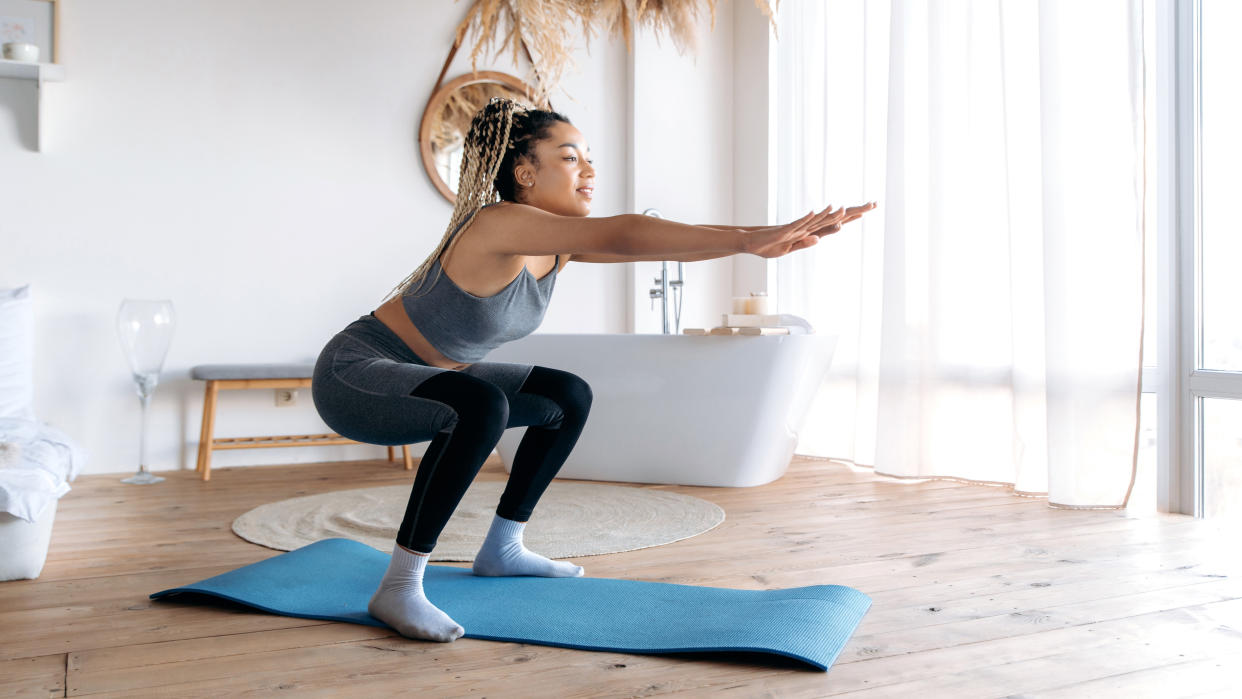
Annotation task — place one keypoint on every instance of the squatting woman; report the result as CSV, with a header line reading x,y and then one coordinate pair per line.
x,y
413,370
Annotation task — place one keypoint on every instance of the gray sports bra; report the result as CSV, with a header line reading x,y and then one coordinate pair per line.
x,y
465,327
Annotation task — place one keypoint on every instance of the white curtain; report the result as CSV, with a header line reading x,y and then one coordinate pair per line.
x,y
989,313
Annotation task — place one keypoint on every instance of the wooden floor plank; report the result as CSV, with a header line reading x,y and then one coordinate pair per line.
x,y
1191,678
40,676
1031,620
1198,628
1118,664
975,592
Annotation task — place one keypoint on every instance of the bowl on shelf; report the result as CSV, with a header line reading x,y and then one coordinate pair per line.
x,y
18,51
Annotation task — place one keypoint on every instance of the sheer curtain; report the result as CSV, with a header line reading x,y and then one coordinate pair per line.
x,y
989,313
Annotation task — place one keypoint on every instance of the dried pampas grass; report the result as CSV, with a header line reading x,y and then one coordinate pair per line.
x,y
546,26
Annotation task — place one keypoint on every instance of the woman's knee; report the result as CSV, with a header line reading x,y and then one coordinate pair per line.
x,y
570,391
578,393
476,402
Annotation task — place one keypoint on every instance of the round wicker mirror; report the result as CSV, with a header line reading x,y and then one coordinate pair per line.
x,y
446,121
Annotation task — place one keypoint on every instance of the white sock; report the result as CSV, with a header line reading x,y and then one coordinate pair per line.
x,y
399,601
502,553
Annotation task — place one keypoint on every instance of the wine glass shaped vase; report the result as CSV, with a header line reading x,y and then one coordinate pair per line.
x,y
145,329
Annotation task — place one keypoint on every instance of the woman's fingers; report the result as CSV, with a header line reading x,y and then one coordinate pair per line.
x,y
826,217
799,244
798,228
860,210
832,222
852,213
813,218
806,231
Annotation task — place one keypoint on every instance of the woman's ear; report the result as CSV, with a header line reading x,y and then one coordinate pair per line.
x,y
524,175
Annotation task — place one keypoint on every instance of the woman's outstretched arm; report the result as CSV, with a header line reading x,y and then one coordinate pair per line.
x,y
731,228
849,214
687,257
527,230
681,257
684,257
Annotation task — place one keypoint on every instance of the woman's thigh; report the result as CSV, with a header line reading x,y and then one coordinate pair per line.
x,y
363,394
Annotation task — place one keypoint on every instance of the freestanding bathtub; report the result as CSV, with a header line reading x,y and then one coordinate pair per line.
x,y
685,409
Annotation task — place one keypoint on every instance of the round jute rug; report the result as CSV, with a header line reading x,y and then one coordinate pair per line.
x,y
572,519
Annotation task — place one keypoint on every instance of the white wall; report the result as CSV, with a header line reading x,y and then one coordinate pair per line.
x,y
257,164
754,161
699,128
681,125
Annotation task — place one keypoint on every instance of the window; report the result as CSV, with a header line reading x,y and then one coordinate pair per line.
x,y
1200,357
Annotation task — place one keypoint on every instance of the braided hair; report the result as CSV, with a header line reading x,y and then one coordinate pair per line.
x,y
502,133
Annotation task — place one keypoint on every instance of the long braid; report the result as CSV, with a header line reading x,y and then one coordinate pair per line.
x,y
484,148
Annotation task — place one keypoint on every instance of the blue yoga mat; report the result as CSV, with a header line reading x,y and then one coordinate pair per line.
x,y
334,579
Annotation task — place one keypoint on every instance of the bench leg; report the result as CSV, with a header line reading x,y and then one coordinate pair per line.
x,y
209,424
405,457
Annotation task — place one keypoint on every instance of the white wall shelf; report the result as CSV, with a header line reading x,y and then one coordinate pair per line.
x,y
40,73
46,72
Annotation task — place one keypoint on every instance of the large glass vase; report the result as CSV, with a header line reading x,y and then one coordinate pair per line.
x,y
145,328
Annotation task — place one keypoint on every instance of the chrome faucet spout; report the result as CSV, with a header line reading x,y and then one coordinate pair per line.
x,y
662,292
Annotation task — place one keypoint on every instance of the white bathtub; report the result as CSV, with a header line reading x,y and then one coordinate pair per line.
x,y
685,409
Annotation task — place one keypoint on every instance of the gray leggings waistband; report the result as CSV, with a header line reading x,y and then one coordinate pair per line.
x,y
372,332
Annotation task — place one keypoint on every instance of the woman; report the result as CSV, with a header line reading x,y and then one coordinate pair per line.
x,y
411,371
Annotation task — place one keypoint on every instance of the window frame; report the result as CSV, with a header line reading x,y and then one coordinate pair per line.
x,y
1180,383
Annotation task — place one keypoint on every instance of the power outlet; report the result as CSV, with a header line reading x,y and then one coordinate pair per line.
x,y
286,397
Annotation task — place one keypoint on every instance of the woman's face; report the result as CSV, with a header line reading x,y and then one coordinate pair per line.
x,y
564,181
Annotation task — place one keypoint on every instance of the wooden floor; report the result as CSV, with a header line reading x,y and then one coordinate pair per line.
x,y
975,593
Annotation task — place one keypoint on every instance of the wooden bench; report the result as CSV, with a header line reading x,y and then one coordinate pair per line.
x,y
221,377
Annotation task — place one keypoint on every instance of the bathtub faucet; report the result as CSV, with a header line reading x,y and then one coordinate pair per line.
x,y
661,291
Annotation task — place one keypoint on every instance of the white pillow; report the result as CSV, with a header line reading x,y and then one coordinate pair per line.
x,y
16,353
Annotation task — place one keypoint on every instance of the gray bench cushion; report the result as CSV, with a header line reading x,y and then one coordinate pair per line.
x,y
223,372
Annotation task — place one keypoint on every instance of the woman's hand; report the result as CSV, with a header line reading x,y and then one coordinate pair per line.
x,y
776,241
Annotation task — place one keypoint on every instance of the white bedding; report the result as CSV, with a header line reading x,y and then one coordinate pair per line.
x,y
36,465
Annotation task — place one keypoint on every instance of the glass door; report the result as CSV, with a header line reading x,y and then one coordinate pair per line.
x,y
1211,247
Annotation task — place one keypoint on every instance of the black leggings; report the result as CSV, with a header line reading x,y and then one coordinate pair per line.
x,y
370,387
456,454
